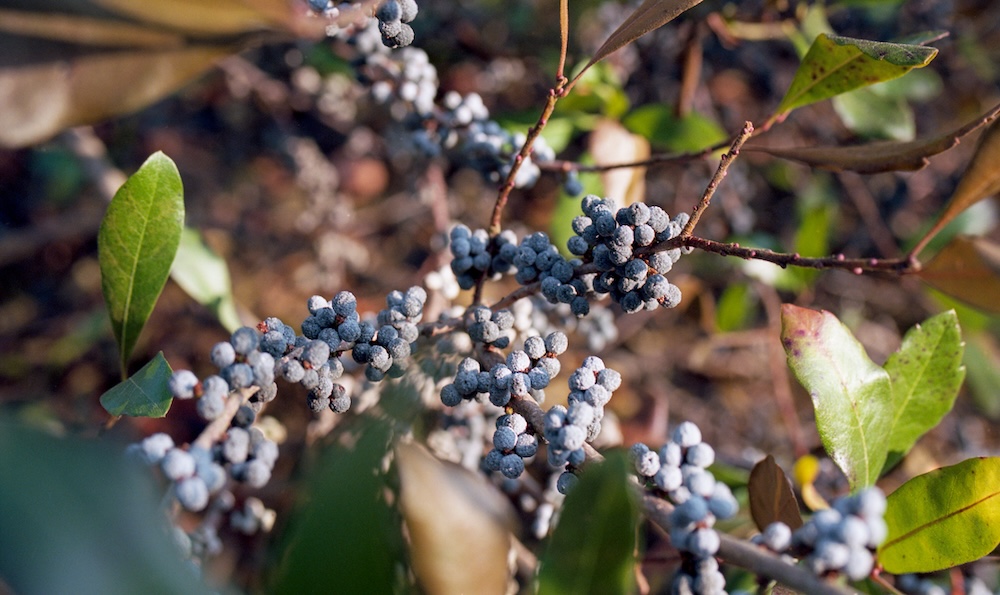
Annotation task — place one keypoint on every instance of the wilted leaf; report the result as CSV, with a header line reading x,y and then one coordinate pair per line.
x,y
879,156
968,269
771,496
926,373
852,395
204,276
78,518
981,180
610,144
143,394
944,518
468,514
344,538
835,65
136,246
592,549
650,15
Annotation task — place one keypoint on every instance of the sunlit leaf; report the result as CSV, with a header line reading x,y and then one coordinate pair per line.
x,y
204,276
771,496
664,130
926,373
592,549
136,246
968,269
205,17
872,116
944,518
143,394
878,157
852,396
980,180
611,144
650,15
468,515
835,65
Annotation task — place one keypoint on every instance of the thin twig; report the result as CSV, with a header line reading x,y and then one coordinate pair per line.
x,y
558,165
720,173
857,266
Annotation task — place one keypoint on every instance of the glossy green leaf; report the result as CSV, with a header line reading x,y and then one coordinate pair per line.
x,y
144,394
592,549
852,396
771,496
664,130
136,246
835,65
926,373
78,518
204,275
345,537
944,518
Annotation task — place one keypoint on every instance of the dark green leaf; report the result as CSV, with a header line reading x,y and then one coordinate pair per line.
x,y
204,275
944,518
78,518
136,246
852,396
144,394
593,547
771,496
835,65
344,538
926,373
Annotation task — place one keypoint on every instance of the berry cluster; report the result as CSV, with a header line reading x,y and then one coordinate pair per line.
x,y
525,372
568,428
474,254
538,259
837,539
486,326
196,474
680,469
610,240
393,16
512,443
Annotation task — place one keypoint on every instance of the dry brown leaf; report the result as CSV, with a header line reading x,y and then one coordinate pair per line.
x,y
968,269
611,143
207,17
651,14
39,100
771,496
881,156
452,513
83,30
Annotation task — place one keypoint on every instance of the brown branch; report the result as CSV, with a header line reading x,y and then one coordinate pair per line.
x,y
720,173
857,266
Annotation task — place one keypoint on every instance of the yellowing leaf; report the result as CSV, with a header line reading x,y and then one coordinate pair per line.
x,y
835,65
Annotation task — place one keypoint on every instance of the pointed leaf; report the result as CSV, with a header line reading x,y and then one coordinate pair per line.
x,y
477,519
981,180
136,246
852,396
944,518
345,537
878,157
592,549
835,65
926,373
771,496
650,15
967,269
204,276
144,394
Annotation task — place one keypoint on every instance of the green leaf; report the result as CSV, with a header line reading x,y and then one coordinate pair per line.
x,y
144,394
664,130
852,396
204,275
869,115
944,518
136,246
78,518
735,308
982,360
926,373
344,537
835,65
593,547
